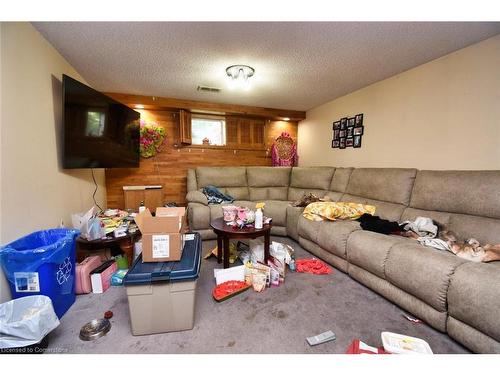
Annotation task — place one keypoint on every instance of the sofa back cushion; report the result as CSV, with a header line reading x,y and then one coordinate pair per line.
x,y
340,179
386,210
315,180
229,180
461,192
268,183
392,185
469,199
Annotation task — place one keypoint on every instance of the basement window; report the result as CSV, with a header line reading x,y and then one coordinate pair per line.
x,y
211,129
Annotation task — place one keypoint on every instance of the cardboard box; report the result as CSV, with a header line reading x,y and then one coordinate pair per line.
x,y
162,235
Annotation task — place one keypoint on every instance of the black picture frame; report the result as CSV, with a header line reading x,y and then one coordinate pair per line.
x,y
336,125
342,143
350,132
357,141
359,119
342,133
351,121
343,123
336,133
349,142
358,130
335,143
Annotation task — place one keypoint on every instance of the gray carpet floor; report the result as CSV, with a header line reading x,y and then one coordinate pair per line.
x,y
275,321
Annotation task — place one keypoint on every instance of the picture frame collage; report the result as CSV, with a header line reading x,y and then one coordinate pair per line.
x,y
348,132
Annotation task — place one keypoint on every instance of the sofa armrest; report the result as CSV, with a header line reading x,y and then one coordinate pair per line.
x,y
197,196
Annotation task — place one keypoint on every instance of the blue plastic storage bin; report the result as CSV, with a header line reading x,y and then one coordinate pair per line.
x,y
161,296
43,262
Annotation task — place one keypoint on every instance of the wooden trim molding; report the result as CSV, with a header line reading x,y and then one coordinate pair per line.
x,y
159,103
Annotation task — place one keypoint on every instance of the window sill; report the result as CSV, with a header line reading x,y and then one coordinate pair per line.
x,y
228,147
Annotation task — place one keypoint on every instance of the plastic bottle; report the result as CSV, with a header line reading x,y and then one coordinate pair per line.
x,y
142,207
258,219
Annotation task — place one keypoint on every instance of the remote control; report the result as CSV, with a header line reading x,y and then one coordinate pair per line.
x,y
321,338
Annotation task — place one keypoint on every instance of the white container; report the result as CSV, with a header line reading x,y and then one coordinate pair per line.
x,y
401,344
259,217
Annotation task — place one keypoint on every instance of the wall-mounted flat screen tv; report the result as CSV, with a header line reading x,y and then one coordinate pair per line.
x,y
98,132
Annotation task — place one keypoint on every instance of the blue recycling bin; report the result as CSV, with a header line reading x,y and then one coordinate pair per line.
x,y
43,262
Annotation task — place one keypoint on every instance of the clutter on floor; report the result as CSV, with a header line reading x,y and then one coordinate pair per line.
x,y
229,289
359,347
412,319
26,321
100,278
161,295
314,266
95,329
400,344
321,338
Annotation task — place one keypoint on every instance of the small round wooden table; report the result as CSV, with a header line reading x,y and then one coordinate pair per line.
x,y
226,232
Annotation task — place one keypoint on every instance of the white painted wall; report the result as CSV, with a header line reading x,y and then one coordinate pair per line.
x,y
441,115
35,192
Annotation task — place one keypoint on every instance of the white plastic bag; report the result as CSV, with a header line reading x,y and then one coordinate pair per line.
x,y
257,250
88,224
26,321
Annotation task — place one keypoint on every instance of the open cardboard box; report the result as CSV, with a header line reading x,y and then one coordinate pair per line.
x,y
162,235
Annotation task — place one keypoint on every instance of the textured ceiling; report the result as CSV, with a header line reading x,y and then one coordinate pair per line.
x,y
298,65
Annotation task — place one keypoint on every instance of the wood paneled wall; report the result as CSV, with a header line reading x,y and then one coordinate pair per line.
x,y
169,167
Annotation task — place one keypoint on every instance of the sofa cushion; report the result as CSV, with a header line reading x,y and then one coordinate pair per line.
x,y
297,193
484,229
384,184
192,184
268,176
198,216
221,177
277,211
333,235
340,179
369,250
334,196
247,204
462,192
215,211
309,229
238,192
265,193
196,196
292,221
410,214
311,177
474,296
422,271
386,210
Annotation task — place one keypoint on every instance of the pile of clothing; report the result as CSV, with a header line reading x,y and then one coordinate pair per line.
x,y
432,234
215,196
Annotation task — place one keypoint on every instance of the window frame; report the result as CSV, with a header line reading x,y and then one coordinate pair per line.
x,y
201,116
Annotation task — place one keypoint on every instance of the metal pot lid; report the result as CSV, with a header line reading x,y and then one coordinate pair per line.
x,y
95,329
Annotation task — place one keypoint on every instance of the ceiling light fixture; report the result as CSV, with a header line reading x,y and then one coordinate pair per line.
x,y
239,75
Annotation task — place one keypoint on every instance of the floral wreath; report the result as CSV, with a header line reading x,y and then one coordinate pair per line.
x,y
152,137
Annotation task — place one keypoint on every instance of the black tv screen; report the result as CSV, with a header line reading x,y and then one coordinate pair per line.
x,y
98,132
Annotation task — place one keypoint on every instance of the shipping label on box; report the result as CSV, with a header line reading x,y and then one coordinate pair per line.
x,y
161,245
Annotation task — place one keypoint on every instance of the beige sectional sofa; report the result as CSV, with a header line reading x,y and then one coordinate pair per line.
x,y
451,294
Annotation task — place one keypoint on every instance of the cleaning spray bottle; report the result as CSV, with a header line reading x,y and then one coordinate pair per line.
x,y
259,216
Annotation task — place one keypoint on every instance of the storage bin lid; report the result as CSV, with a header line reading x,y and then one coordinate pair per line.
x,y
187,269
